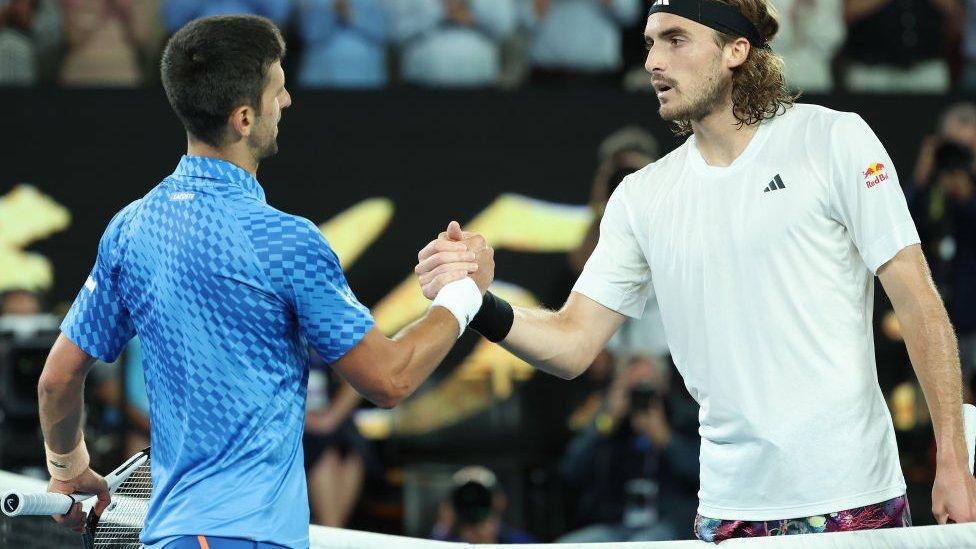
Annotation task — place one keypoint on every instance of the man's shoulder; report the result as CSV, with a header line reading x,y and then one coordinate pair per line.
x,y
122,219
267,221
665,167
815,117
271,230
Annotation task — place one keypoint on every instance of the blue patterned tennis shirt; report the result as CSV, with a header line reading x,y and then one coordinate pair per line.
x,y
226,293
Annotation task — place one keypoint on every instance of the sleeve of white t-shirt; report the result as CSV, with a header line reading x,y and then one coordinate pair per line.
x,y
865,195
617,275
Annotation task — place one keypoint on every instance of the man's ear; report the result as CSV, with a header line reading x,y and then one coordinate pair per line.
x,y
242,120
736,52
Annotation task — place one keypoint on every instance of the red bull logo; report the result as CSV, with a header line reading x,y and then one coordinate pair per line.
x,y
875,174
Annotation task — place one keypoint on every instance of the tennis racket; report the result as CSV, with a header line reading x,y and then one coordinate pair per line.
x,y
119,525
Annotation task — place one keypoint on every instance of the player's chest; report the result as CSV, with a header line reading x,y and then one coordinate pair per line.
x,y
760,212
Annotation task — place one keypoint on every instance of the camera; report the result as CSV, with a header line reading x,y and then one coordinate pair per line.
x,y
643,397
950,157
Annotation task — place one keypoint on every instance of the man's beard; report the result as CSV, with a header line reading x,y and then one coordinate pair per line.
x,y
263,144
712,97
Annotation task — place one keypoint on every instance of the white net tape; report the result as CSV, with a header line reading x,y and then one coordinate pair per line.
x,y
953,536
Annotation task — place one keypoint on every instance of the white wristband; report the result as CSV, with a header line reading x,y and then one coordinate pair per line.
x,y
462,298
67,466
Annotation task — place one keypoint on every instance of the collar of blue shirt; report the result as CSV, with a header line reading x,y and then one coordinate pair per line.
x,y
216,172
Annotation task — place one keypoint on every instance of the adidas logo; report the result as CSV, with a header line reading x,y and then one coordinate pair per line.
x,y
661,3
777,182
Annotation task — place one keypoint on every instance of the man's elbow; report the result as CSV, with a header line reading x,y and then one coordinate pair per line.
x,y
575,371
580,361
387,398
569,369
51,383
387,393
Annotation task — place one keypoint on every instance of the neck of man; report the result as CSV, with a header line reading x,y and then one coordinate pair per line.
x,y
235,153
720,137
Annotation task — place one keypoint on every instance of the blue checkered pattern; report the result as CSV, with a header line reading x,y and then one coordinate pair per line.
x,y
226,294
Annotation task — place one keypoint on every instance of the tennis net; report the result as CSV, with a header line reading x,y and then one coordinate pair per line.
x,y
43,533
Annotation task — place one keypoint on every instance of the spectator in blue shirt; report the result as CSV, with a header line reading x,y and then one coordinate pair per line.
x,y
577,39
452,43
345,43
177,13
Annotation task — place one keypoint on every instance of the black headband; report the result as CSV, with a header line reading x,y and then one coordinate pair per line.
x,y
711,13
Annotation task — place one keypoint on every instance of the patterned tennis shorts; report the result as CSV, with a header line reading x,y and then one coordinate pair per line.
x,y
893,513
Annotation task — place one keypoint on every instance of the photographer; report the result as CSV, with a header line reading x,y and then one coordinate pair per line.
x,y
944,207
473,513
636,465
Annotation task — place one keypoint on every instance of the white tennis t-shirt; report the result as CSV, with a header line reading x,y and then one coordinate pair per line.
x,y
764,272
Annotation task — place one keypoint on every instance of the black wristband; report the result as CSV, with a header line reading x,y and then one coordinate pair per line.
x,y
494,319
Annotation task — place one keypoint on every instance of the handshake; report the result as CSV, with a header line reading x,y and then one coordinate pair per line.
x,y
452,256
454,271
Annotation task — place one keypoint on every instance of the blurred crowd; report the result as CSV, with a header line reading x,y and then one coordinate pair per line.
x,y
873,46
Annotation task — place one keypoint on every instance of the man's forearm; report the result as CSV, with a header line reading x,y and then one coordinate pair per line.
x,y
422,346
934,354
60,392
548,341
61,411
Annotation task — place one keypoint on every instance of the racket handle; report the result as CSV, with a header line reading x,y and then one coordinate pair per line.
x,y
16,503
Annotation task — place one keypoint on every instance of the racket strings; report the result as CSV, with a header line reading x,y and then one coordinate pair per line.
x,y
121,523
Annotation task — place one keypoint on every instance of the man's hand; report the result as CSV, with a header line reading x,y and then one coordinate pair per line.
x,y
88,482
452,256
954,494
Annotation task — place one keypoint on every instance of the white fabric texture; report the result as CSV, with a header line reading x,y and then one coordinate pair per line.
x,y
764,272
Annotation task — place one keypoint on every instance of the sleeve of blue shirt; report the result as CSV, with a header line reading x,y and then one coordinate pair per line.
x,y
330,316
98,321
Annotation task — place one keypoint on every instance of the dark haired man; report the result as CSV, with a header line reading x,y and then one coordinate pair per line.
x,y
761,237
226,293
